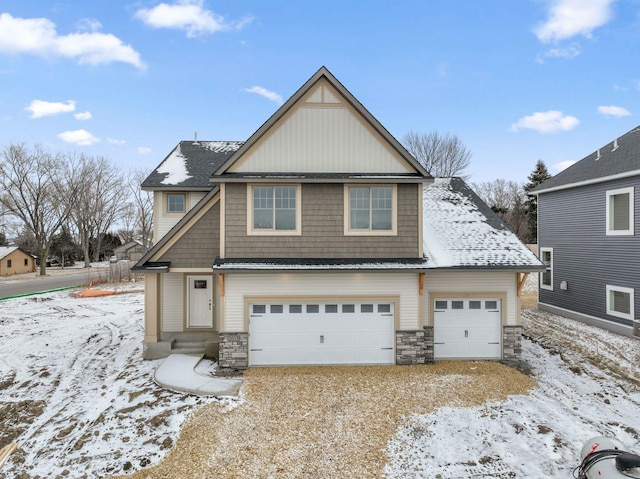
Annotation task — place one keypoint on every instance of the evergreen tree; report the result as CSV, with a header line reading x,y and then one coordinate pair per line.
x,y
3,239
538,176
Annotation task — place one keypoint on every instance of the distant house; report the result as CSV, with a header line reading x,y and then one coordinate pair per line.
x,y
321,240
132,250
588,238
15,261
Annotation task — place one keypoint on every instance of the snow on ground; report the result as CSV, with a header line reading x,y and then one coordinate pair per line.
x,y
74,391
77,397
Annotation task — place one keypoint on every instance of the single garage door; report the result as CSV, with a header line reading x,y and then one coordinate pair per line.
x,y
467,328
321,333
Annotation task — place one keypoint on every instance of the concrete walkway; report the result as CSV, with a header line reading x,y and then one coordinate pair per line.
x,y
177,373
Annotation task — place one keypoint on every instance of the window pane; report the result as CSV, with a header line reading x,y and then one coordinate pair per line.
x,y
331,308
546,278
621,302
490,305
313,308
441,304
381,208
259,309
384,308
457,304
263,208
199,284
359,208
475,304
285,219
276,309
366,308
295,308
619,212
285,201
175,203
262,219
348,308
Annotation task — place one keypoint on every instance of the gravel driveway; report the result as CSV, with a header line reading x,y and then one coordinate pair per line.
x,y
325,422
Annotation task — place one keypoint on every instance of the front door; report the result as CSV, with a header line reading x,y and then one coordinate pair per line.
x,y
200,305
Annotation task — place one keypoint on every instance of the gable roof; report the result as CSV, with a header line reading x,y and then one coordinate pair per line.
x,y
190,164
617,159
461,231
323,73
7,250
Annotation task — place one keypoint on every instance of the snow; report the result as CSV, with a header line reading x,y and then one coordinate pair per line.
x,y
175,165
77,396
456,233
222,146
7,250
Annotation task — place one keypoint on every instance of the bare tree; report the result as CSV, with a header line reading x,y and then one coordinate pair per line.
x,y
442,156
506,199
143,205
36,191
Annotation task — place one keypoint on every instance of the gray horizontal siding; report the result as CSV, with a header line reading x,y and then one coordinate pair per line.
x,y
573,223
322,228
200,245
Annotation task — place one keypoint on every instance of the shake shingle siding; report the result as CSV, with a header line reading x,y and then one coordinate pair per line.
x,y
573,222
322,228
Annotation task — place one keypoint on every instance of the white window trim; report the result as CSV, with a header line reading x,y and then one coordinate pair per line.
x,y
550,268
165,203
394,212
618,314
621,191
273,232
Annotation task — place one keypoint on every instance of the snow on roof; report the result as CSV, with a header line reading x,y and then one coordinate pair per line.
x,y
176,168
221,146
457,233
7,250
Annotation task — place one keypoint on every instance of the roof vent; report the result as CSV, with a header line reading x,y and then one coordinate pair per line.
x,y
615,145
195,141
598,154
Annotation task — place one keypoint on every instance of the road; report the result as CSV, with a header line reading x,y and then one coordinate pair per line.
x,y
16,286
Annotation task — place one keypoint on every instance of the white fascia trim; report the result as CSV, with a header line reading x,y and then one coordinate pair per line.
x,y
602,179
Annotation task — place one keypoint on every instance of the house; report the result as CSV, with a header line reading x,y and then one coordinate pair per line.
x,y
131,250
587,237
13,260
321,240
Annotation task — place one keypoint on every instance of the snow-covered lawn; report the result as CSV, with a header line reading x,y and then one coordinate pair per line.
x,y
76,396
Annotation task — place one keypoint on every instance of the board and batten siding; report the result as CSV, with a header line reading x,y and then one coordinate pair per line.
x,y
163,222
200,245
321,287
573,223
322,228
172,302
460,281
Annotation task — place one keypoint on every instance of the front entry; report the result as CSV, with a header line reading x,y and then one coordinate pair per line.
x,y
200,302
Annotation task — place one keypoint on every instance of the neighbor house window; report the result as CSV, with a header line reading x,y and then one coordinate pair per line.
x,y
176,203
620,302
274,209
620,211
370,210
26,262
546,277
8,263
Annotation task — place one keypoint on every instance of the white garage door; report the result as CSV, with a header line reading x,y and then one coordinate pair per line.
x,y
321,333
467,328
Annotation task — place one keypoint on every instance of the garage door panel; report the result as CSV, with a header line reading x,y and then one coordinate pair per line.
x,y
327,335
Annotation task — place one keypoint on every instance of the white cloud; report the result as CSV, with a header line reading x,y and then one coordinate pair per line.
x,y
546,122
263,92
188,15
85,115
40,108
143,150
566,53
78,137
115,141
563,165
38,36
612,110
569,18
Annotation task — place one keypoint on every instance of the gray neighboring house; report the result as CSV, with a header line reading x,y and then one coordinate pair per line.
x,y
588,238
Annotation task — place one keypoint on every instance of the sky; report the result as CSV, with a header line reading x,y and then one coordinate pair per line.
x,y
516,80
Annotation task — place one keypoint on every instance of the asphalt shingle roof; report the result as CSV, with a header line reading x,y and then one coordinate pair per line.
x,y
191,164
617,157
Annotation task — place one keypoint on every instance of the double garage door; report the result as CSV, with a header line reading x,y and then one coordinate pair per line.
x,y
467,328
321,333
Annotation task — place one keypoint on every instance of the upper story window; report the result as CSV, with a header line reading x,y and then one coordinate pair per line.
x,y
620,211
274,210
370,210
546,277
176,203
